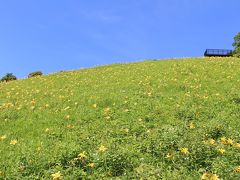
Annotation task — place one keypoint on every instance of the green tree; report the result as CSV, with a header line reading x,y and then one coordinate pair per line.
x,y
236,44
8,77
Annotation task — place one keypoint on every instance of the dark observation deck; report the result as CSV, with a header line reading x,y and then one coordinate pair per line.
x,y
218,52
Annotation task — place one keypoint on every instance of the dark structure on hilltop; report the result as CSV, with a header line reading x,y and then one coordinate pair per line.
x,y
218,52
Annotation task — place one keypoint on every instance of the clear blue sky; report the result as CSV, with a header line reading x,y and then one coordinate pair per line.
x,y
54,35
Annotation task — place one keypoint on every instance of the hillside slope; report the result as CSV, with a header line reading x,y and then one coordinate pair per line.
x,y
176,119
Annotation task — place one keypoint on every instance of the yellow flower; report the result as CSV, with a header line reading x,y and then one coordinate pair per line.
x,y
102,148
91,165
47,130
67,117
237,145
82,156
106,110
223,140
169,156
191,125
229,141
184,150
210,141
214,177
221,151
209,176
3,137
126,130
69,126
56,176
237,169
205,176
13,142
94,105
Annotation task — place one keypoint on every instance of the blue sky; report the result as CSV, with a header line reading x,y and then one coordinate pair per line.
x,y
54,35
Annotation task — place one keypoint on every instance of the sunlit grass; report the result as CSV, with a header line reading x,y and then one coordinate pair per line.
x,y
176,119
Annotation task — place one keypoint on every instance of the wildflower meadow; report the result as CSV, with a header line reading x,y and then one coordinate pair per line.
x,y
173,119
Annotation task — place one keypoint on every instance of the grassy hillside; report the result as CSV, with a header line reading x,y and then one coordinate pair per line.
x,y
176,119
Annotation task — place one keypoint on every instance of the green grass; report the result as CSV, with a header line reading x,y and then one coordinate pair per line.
x,y
142,113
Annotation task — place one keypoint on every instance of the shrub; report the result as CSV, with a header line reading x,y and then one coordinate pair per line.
x,y
236,44
8,77
35,74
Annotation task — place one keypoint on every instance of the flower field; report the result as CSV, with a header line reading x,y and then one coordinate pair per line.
x,y
174,119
